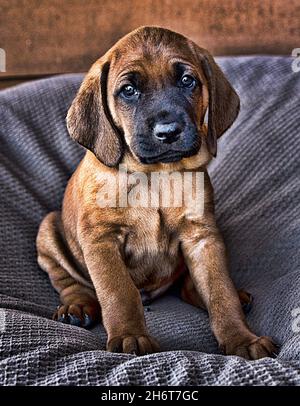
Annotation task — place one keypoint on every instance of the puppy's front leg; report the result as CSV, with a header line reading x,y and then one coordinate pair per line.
x,y
120,301
205,256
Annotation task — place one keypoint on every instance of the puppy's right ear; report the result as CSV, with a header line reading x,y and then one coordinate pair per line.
x,y
89,120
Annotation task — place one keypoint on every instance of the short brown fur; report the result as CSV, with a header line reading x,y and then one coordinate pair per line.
x,y
99,258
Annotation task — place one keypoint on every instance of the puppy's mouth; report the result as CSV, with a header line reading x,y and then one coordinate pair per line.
x,y
168,157
150,150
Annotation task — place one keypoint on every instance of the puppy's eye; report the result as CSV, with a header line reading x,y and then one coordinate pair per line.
x,y
188,81
129,92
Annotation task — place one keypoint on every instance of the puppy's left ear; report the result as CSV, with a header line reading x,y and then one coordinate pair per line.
x,y
224,103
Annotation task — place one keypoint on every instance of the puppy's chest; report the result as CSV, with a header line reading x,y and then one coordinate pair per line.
x,y
151,248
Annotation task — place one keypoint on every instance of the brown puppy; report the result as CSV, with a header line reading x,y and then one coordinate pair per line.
x,y
143,105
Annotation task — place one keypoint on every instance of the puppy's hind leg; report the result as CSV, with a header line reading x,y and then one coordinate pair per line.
x,y
190,295
79,306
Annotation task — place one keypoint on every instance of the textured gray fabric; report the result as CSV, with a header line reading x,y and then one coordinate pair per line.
x,y
256,180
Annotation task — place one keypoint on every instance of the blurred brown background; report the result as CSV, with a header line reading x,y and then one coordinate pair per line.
x,y
55,36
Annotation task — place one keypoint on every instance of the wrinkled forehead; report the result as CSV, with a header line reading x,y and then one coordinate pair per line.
x,y
152,57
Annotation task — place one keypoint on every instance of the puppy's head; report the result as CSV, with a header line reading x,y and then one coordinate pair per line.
x,y
147,96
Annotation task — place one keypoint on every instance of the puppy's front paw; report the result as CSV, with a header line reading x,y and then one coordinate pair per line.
x,y
133,344
251,349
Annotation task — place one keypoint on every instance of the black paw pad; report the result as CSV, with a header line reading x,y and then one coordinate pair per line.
x,y
74,320
63,319
88,321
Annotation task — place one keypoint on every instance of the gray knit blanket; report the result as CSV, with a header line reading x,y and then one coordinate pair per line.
x,y
256,178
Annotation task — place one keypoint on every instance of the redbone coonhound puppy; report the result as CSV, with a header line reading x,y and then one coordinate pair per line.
x,y
143,104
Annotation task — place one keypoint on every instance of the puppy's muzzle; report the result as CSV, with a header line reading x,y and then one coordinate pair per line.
x,y
166,136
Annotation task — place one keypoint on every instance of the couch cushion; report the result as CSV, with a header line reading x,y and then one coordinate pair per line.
x,y
256,181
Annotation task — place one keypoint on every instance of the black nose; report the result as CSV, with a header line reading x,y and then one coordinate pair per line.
x,y
167,133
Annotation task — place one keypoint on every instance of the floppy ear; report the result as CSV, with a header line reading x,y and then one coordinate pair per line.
x,y
224,103
89,120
